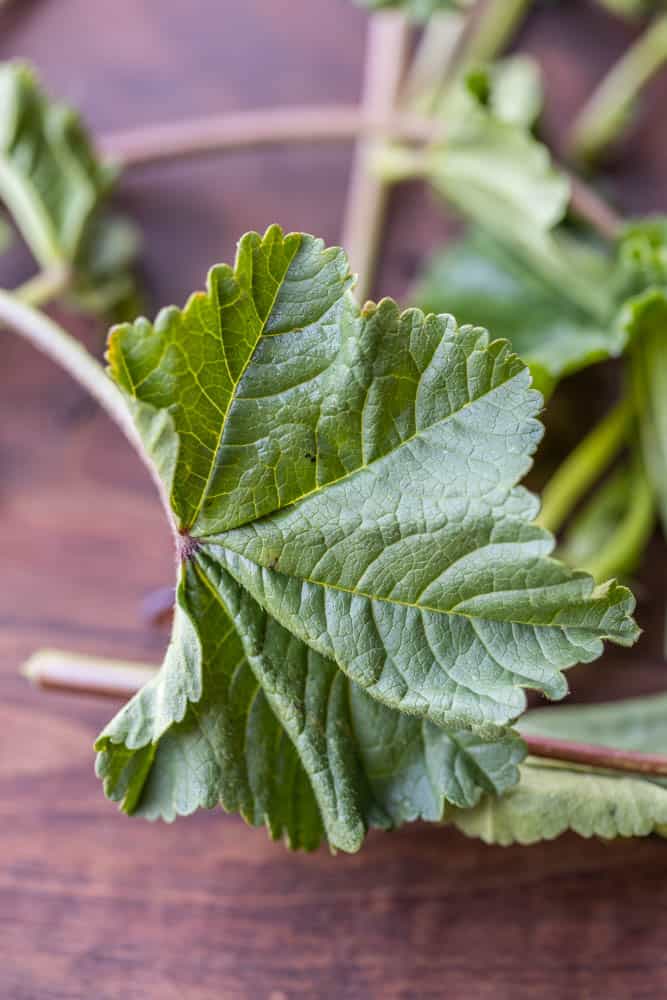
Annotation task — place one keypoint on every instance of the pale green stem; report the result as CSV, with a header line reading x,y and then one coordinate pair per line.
x,y
44,287
432,62
606,111
70,354
584,465
619,554
386,52
492,25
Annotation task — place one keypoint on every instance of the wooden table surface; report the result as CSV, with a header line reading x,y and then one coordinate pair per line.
x,y
97,906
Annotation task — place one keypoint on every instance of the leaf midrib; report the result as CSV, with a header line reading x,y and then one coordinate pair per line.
x,y
215,539
235,384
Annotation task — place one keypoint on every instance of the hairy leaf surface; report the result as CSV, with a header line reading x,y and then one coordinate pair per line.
x,y
549,800
552,798
344,485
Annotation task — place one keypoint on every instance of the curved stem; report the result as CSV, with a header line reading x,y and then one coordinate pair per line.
x,y
606,111
583,465
590,207
72,673
71,355
44,287
265,127
306,125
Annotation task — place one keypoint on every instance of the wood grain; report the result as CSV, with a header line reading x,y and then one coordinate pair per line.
x,y
94,905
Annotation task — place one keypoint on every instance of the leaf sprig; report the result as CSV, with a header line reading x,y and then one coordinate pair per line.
x,y
360,580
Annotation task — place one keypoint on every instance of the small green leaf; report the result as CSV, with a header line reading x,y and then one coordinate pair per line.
x,y
493,169
55,189
344,483
480,282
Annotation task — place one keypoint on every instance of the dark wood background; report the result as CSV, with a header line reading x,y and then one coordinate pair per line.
x,y
95,905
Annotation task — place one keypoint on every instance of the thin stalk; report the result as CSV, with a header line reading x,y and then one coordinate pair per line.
x,y
491,26
252,129
386,53
606,111
433,59
72,673
622,550
44,287
265,127
584,465
591,755
591,208
70,354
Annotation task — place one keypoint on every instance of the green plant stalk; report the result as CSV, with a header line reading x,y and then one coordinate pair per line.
x,y
584,465
619,555
433,60
491,26
606,111
50,338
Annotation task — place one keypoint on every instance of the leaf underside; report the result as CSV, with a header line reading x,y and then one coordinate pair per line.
x,y
363,596
552,798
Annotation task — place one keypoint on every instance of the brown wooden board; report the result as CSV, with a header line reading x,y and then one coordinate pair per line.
x,y
97,906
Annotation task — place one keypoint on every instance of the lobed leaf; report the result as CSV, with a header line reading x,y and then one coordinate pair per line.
x,y
344,485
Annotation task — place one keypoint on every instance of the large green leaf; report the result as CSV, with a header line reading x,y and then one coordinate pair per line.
x,y
480,282
258,721
345,480
552,798
55,189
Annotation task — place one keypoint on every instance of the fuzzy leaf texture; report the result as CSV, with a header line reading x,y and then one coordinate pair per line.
x,y
55,188
552,798
362,595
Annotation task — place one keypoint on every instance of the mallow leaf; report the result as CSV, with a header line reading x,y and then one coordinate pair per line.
x,y
491,166
279,734
552,797
55,188
344,481
481,282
